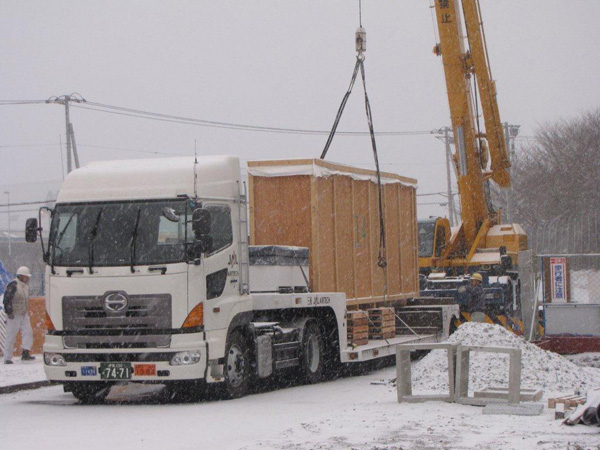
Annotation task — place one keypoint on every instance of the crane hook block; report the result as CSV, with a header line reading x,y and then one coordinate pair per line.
x,y
361,40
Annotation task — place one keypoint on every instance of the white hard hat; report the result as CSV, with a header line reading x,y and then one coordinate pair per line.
x,y
24,271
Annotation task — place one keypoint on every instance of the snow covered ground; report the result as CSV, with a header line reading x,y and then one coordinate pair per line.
x,y
22,372
359,412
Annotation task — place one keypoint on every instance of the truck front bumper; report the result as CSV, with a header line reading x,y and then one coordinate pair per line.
x,y
137,364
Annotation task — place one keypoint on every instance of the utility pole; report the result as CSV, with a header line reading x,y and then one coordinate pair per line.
x,y
444,134
9,231
510,134
71,146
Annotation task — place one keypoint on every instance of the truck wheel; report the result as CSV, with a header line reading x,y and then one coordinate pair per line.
x,y
91,393
312,351
237,366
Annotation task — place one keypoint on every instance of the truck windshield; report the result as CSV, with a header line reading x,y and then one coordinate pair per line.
x,y
158,239
426,229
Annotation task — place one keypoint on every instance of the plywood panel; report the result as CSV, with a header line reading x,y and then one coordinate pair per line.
x,y
280,211
326,264
362,239
392,235
377,275
344,242
408,242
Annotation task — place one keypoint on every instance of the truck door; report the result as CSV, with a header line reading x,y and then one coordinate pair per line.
x,y
221,269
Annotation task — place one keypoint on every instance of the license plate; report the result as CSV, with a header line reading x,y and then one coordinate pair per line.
x,y
115,371
88,371
145,370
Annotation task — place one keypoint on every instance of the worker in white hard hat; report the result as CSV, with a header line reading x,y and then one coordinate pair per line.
x,y
16,303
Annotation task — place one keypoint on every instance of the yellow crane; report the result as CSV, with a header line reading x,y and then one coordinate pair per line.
x,y
481,243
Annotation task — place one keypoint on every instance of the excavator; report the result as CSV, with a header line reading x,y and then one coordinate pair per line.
x,y
481,242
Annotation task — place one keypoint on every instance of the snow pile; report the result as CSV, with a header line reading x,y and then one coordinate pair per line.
x,y
540,368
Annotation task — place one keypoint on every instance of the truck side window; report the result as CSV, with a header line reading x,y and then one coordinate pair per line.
x,y
440,240
215,284
220,226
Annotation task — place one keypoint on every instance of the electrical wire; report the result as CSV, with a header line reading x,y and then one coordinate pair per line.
x,y
21,102
111,109
131,112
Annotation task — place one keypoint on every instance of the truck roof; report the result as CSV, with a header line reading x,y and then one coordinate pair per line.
x,y
139,179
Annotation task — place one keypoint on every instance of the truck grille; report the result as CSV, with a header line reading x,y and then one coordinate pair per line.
x,y
96,326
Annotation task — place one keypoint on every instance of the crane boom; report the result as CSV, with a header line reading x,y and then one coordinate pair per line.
x,y
481,243
474,148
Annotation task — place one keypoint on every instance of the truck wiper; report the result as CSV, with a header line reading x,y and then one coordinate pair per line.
x,y
93,234
134,239
58,239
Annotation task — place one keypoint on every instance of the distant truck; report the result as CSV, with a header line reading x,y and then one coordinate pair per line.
x,y
150,278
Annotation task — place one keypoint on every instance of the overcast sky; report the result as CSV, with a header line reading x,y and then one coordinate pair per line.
x,y
270,63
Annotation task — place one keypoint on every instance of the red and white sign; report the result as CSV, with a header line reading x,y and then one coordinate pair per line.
x,y
558,274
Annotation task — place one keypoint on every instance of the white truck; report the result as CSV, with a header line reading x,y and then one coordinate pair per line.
x,y
150,279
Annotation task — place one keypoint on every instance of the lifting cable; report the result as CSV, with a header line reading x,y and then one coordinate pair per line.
x,y
361,44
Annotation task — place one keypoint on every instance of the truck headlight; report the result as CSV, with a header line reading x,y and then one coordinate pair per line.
x,y
185,358
54,359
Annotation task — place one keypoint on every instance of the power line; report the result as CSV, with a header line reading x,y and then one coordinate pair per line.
x,y
21,102
28,203
110,109
152,152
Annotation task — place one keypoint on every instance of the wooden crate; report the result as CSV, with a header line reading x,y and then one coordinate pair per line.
x,y
357,327
382,323
333,210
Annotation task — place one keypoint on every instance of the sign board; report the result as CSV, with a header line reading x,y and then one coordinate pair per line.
x,y
558,273
556,279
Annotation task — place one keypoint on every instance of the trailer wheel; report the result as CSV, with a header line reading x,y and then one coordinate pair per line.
x,y
90,393
237,366
312,352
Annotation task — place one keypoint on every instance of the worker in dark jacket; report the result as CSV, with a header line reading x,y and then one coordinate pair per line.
x,y
16,303
476,298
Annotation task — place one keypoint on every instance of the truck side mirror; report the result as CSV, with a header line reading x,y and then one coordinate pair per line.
x,y
201,222
31,230
201,245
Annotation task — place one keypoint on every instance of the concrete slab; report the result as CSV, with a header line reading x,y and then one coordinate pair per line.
x,y
525,395
523,409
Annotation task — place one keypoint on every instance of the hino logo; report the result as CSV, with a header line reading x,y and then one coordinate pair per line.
x,y
116,301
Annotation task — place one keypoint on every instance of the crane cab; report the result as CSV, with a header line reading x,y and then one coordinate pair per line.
x,y
433,239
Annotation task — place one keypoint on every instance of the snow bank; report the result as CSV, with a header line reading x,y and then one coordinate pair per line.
x,y
540,368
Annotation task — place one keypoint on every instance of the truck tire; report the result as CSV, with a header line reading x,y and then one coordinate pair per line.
x,y
90,393
312,353
237,366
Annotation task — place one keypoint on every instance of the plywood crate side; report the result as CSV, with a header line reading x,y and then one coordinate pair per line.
x,y
340,225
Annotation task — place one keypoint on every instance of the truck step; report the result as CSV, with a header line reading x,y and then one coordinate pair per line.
x,y
285,363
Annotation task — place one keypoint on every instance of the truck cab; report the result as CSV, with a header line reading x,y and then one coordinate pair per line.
x,y
145,270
